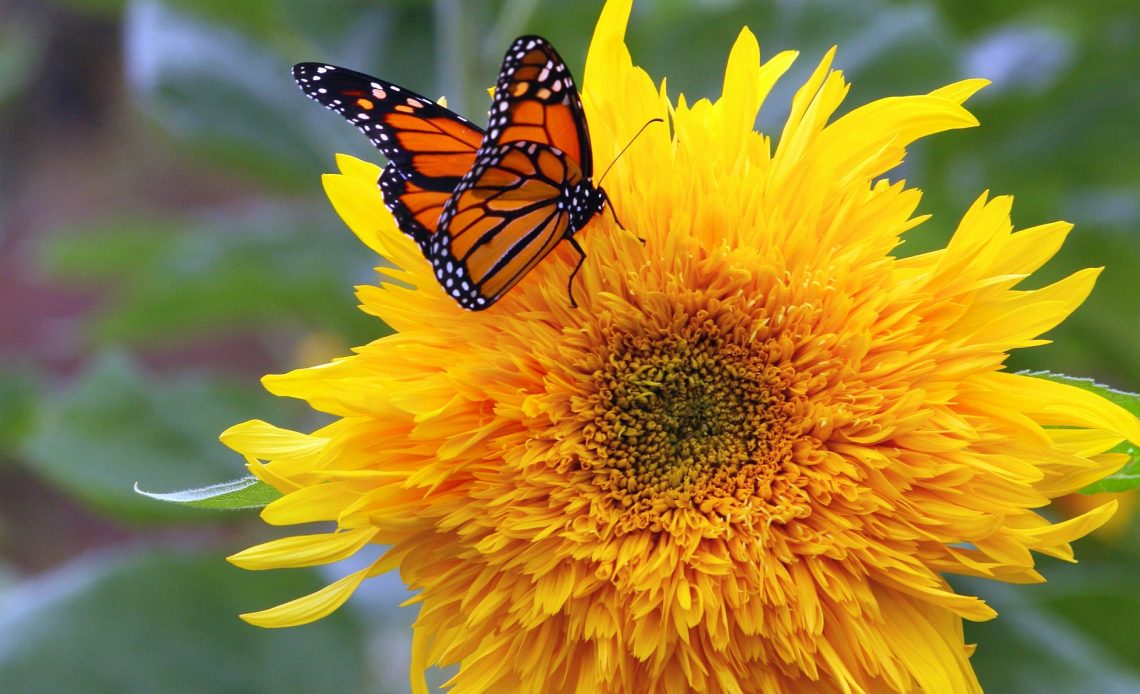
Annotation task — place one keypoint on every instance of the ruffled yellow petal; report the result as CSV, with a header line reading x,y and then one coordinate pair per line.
x,y
930,646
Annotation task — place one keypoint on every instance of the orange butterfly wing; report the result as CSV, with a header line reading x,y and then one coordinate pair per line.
x,y
536,101
485,208
501,223
429,148
426,142
417,209
529,187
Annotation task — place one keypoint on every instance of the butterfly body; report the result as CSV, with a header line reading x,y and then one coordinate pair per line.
x,y
485,207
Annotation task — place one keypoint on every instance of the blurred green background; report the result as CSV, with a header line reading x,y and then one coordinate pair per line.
x,y
164,241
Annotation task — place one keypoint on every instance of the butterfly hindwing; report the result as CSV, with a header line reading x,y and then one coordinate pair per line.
x,y
416,209
503,219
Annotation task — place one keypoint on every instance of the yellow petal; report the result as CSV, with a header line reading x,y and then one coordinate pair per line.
x,y
263,440
309,608
1060,404
303,550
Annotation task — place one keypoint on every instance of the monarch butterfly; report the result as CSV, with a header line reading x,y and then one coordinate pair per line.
x,y
485,207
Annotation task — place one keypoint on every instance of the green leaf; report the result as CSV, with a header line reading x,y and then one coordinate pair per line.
x,y
1128,477
247,492
138,622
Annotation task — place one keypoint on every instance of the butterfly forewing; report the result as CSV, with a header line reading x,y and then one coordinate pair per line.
x,y
536,101
425,142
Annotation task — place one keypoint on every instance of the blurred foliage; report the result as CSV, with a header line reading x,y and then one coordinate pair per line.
x,y
165,241
1076,633
19,47
18,404
112,428
172,278
149,620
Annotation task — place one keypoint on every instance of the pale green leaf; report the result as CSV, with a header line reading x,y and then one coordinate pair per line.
x,y
247,492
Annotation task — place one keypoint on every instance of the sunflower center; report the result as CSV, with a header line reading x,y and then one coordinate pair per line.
x,y
692,421
682,411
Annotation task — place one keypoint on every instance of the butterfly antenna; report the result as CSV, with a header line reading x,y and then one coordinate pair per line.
x,y
633,139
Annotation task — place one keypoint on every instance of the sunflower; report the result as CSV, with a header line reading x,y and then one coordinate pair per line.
x,y
747,461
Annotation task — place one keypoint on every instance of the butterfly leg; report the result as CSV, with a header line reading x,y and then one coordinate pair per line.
x,y
613,212
581,259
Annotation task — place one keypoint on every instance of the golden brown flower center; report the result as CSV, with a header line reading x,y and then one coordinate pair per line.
x,y
692,421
